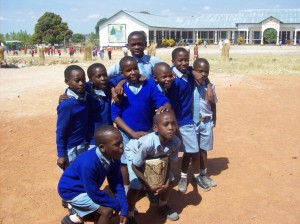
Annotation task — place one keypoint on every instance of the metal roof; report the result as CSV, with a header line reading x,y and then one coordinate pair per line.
x,y
217,20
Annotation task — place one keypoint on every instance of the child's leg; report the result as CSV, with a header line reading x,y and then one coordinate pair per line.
x,y
203,159
125,176
163,206
105,215
132,196
203,169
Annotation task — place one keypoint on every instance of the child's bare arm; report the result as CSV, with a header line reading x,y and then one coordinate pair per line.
x,y
134,134
214,110
62,97
166,107
209,91
118,92
61,162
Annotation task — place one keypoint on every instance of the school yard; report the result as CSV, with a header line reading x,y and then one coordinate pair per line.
x,y
256,152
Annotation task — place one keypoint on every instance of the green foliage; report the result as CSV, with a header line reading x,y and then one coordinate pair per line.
x,y
94,39
101,21
50,29
240,40
270,36
77,38
21,36
199,41
165,42
171,42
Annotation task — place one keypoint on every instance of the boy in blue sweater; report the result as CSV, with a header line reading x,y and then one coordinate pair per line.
x,y
100,101
72,118
137,42
180,95
134,114
81,182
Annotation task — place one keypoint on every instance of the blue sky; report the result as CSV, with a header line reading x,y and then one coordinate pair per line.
x,y
82,16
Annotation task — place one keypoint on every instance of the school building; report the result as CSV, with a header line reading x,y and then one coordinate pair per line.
x,y
248,24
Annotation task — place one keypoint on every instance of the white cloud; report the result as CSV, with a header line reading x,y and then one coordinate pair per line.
x,y
94,16
3,18
206,8
166,12
74,10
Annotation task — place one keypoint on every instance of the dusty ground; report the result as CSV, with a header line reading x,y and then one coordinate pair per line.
x,y
255,159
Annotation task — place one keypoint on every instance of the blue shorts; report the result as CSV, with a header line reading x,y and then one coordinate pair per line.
x,y
83,205
189,139
126,139
205,134
74,152
134,180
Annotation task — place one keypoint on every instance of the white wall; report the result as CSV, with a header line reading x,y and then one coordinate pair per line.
x,y
120,18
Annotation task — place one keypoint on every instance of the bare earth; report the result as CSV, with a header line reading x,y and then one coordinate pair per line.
x,y
255,160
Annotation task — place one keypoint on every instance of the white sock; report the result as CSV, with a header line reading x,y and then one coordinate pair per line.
x,y
126,188
183,175
74,218
162,203
196,175
131,214
203,172
69,206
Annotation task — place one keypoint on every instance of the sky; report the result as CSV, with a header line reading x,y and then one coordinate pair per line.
x,y
82,16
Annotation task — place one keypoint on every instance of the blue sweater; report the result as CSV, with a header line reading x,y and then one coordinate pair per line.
x,y
137,111
72,123
87,174
99,113
181,96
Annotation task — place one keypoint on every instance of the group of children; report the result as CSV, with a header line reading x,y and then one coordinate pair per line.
x,y
158,111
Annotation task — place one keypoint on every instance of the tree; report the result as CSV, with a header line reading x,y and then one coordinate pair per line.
x,y
50,29
270,36
103,20
94,39
78,38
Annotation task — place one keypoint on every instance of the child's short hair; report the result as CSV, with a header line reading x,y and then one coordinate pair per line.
x,y
138,33
125,59
92,67
103,132
157,65
177,50
71,68
200,60
157,117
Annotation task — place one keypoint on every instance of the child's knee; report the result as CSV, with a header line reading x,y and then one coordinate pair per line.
x,y
106,211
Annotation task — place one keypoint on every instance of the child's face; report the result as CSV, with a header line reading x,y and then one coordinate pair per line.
x,y
181,61
99,78
166,127
202,68
164,77
131,72
136,45
76,82
113,148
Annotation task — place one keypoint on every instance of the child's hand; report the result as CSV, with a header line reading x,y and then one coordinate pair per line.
x,y
162,109
123,219
198,77
155,189
62,97
209,93
61,162
138,134
142,78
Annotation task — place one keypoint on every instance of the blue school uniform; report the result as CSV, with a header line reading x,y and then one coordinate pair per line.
x,y
86,176
72,123
180,95
146,64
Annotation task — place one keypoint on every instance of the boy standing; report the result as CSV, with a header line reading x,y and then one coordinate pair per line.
x,y
162,142
100,100
137,43
80,183
162,75
72,118
181,98
204,116
134,114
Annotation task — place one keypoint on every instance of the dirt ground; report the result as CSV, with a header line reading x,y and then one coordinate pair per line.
x,y
255,160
